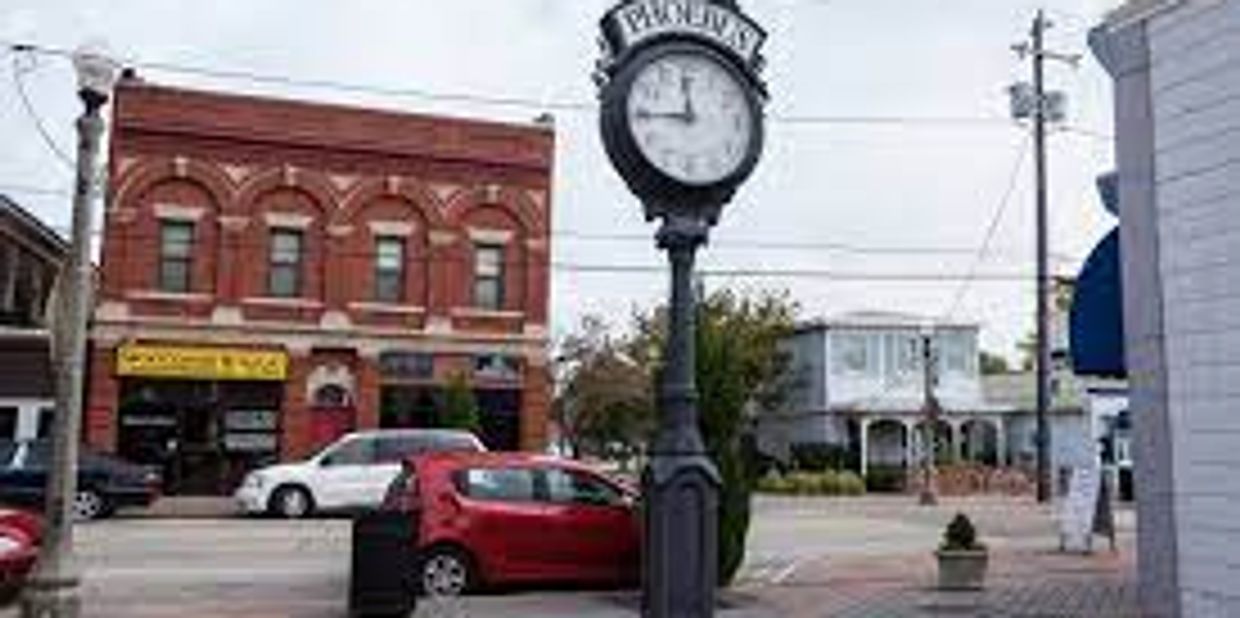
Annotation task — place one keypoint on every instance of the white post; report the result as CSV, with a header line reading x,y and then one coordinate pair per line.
x,y
1002,458
865,447
957,439
910,437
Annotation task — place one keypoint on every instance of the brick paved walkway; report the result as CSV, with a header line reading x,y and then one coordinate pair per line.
x,y
1021,583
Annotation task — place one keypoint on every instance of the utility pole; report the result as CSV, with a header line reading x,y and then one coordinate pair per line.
x,y
54,588
930,407
1044,354
1036,103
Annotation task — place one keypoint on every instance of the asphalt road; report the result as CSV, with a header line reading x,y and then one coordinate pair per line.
x,y
141,567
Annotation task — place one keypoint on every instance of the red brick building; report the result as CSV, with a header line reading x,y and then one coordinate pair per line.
x,y
275,273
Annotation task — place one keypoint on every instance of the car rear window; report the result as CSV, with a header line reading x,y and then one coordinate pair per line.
x,y
497,484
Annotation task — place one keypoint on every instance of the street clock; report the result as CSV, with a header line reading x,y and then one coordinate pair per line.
x,y
682,114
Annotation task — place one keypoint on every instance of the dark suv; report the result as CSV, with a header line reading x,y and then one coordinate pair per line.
x,y
105,483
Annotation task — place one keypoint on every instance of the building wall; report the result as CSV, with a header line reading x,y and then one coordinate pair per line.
x,y
893,365
1071,442
30,256
237,168
1194,78
1177,71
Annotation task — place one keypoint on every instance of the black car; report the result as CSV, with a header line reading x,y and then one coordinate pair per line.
x,y
105,483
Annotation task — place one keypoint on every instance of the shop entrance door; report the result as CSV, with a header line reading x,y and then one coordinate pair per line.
x,y
148,435
329,423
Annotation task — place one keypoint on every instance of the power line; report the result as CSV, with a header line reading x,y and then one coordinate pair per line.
x,y
535,105
991,228
728,243
35,119
141,243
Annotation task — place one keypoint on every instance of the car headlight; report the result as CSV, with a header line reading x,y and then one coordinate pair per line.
x,y
254,480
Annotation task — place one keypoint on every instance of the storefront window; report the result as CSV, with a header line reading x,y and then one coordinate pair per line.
x,y
8,423
176,251
407,365
489,276
284,270
496,367
389,269
47,416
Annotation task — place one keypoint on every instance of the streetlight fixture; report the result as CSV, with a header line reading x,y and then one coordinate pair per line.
x,y
53,590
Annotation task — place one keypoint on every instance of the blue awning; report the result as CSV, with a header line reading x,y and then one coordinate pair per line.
x,y
1096,325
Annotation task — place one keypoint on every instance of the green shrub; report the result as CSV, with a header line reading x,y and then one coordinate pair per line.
x,y
850,484
960,535
813,456
885,479
813,484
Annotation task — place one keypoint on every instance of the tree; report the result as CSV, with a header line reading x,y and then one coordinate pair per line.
x,y
604,406
460,408
740,368
1027,347
992,364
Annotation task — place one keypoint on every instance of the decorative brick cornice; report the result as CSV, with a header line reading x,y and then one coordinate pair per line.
x,y
487,236
339,231
442,238
391,228
287,220
234,223
178,212
181,113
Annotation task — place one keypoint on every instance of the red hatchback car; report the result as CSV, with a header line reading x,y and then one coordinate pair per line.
x,y
507,518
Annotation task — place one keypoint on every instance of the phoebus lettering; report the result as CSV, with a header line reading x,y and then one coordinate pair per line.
x,y
645,18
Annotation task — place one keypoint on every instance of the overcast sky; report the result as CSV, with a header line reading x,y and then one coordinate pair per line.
x,y
877,187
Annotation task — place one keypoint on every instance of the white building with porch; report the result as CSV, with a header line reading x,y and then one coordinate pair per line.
x,y
858,384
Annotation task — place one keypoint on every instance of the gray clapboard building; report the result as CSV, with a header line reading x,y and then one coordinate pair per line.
x,y
1176,71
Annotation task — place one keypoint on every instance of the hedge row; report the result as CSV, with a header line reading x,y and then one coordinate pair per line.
x,y
826,483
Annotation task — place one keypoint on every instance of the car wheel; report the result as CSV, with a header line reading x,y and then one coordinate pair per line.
x,y
291,502
88,505
446,572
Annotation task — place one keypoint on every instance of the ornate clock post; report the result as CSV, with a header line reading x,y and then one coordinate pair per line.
x,y
682,120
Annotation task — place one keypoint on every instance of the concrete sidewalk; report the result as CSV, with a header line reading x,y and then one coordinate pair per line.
x,y
185,507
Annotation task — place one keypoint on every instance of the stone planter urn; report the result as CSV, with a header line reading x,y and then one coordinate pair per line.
x,y
962,559
962,569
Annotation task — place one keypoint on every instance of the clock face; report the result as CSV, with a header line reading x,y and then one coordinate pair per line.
x,y
690,117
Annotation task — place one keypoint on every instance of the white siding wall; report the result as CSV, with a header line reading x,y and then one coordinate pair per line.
x,y
1195,93
886,379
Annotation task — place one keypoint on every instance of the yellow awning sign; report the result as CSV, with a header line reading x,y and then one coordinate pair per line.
x,y
205,363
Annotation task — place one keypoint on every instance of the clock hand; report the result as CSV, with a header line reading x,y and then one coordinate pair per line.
x,y
645,114
686,88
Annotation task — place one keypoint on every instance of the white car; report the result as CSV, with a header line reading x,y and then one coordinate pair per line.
x,y
351,473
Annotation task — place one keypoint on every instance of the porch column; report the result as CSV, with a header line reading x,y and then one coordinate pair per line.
x,y
956,428
910,437
1001,453
865,446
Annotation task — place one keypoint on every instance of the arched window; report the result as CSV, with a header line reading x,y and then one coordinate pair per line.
x,y
331,396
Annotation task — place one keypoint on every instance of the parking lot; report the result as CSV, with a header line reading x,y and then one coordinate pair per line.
x,y
805,554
